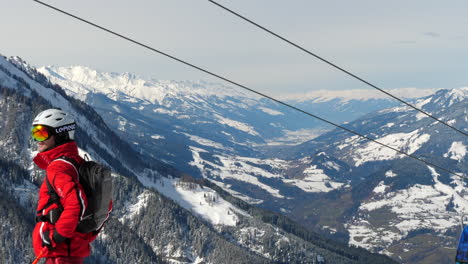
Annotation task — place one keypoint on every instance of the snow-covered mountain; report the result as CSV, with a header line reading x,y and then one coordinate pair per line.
x,y
351,189
322,96
162,118
396,205
161,215
251,117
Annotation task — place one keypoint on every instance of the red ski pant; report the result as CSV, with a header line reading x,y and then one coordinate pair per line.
x,y
64,260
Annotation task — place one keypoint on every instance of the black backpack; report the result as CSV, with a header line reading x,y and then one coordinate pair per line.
x,y
96,181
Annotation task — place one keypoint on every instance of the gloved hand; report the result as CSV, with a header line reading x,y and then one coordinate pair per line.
x,y
48,240
51,238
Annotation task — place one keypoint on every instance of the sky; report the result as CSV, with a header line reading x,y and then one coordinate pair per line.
x,y
392,44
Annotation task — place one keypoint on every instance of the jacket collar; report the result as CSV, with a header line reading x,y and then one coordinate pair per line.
x,y
43,159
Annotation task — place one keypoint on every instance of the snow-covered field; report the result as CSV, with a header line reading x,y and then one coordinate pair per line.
x,y
294,137
202,201
315,181
237,125
371,151
246,169
457,151
235,168
419,207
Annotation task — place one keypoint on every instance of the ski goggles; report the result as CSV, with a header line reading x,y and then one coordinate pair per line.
x,y
40,133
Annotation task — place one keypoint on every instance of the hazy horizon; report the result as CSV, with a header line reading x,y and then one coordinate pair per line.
x,y
397,44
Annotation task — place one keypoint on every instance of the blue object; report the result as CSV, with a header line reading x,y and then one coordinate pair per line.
x,y
462,249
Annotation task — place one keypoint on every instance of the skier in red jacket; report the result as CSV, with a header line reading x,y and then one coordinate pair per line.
x,y
58,214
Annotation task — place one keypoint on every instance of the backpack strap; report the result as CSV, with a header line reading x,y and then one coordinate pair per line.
x,y
52,193
77,168
54,198
72,162
53,215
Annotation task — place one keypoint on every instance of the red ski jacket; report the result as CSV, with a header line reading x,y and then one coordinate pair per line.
x,y
61,237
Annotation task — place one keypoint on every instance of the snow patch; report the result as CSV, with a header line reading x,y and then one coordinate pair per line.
x,y
452,122
237,125
294,137
155,136
206,142
166,112
200,200
132,210
270,111
407,142
332,165
227,187
315,181
116,108
390,174
420,116
457,151
234,167
420,206
380,188
422,102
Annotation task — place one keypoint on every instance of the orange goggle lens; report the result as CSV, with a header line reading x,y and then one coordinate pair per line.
x,y
39,133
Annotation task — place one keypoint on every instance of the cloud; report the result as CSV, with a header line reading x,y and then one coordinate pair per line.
x,y
432,34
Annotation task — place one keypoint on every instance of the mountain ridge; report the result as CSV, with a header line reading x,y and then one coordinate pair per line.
x,y
80,74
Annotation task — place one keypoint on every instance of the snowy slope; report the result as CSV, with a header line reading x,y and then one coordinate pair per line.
x,y
269,177
418,207
399,203
200,200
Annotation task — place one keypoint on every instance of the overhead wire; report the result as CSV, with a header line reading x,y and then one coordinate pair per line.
x,y
251,90
335,66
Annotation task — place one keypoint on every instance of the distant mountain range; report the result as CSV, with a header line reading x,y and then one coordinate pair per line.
x,y
162,214
201,114
345,96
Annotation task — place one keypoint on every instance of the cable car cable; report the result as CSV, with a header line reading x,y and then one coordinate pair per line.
x,y
336,67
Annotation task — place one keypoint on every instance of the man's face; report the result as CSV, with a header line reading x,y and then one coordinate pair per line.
x,y
46,144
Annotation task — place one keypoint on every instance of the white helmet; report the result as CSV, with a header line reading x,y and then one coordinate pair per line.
x,y
61,122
